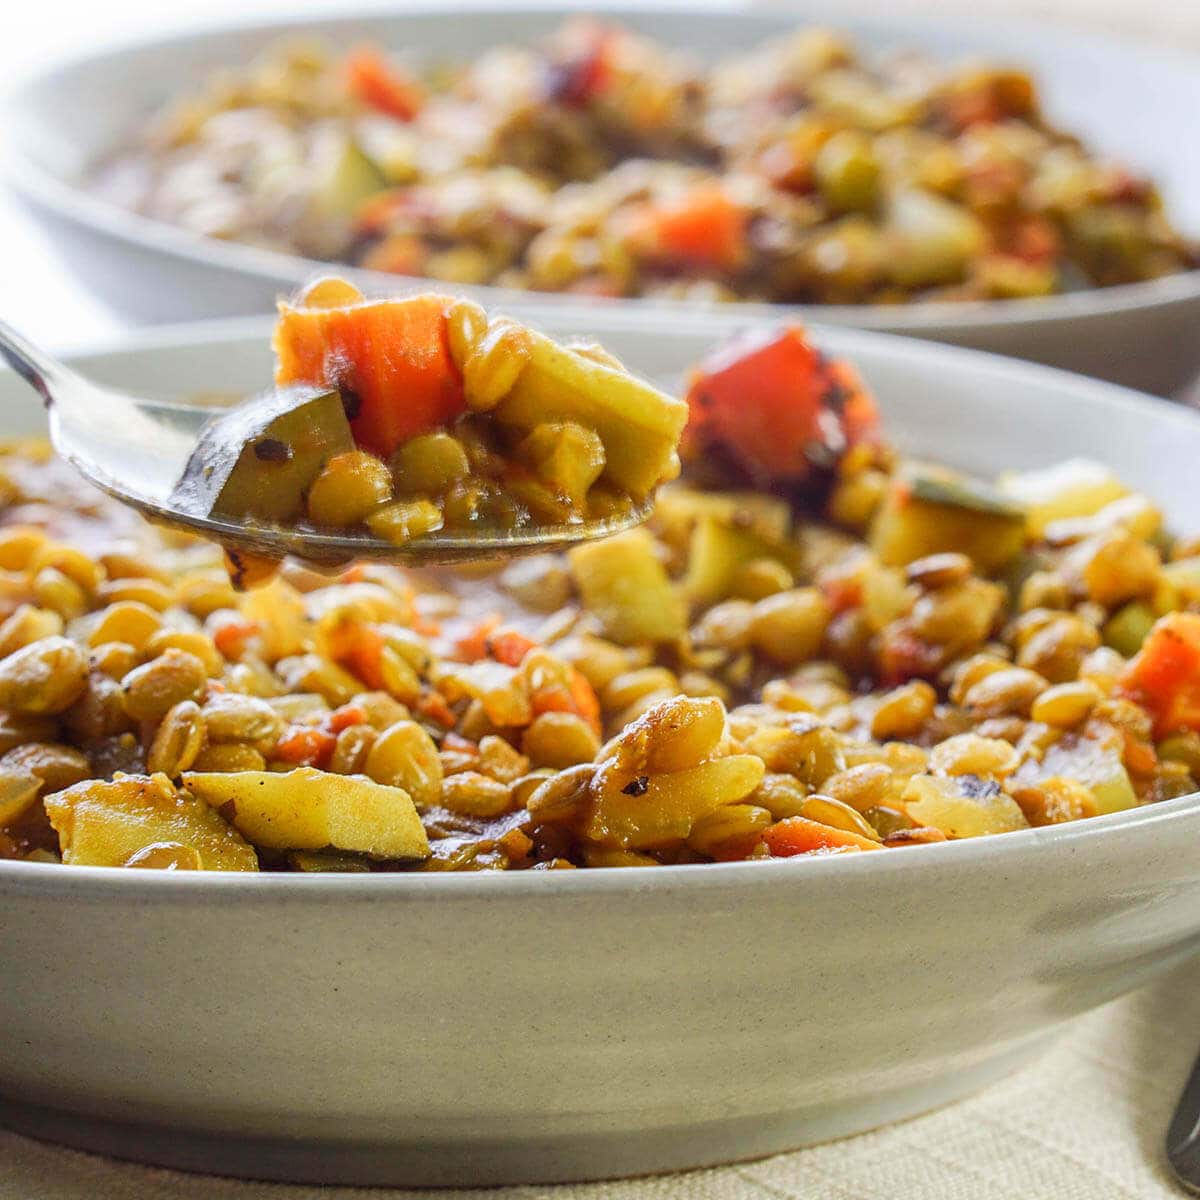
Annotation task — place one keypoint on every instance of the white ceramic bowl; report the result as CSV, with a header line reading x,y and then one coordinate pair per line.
x,y
1135,104
476,1029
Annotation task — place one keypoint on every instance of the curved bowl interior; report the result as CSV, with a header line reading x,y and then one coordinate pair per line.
x,y
1129,102
441,1029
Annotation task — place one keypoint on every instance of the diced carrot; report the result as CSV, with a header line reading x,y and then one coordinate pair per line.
x,y
1137,755
777,407
344,717
390,357
799,835
1164,675
510,647
398,254
305,744
704,227
578,698
379,84
230,637
433,705
473,646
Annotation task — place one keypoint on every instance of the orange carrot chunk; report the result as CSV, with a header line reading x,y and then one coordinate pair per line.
x,y
1164,675
799,835
378,84
704,227
305,744
391,358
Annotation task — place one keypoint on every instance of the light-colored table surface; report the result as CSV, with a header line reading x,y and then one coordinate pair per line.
x,y
1084,1123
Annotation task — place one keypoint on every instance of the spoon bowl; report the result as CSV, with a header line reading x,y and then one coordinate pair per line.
x,y
136,448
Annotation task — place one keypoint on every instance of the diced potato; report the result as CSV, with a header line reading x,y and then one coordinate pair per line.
x,y
962,806
107,824
677,509
930,240
1077,487
660,809
934,511
639,425
717,553
623,582
307,809
567,457
1097,765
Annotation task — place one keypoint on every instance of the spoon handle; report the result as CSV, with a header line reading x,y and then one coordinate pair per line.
x,y
39,370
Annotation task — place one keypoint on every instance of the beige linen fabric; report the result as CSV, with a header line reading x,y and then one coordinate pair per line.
x,y
1086,1122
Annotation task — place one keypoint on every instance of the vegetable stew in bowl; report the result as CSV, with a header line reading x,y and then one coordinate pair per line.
x,y
598,161
815,646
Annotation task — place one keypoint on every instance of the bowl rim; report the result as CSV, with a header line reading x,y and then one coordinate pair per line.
x,y
997,851
73,203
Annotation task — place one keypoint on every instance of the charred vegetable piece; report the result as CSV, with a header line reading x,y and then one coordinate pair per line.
x,y
390,358
776,410
136,820
259,459
962,806
1165,676
931,510
307,809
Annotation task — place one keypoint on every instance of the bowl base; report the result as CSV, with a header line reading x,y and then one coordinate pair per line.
x,y
489,1163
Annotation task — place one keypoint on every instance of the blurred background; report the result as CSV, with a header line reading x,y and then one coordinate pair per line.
x,y
33,285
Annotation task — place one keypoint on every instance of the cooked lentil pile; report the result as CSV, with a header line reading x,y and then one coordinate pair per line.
x,y
855,653
599,162
402,417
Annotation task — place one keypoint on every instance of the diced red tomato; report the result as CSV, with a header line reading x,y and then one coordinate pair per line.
x,y
380,85
799,835
588,70
391,357
1164,676
775,405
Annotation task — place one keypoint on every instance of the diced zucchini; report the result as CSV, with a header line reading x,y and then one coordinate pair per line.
x,y
105,824
1077,487
307,809
259,459
1127,628
639,425
623,582
345,177
326,862
929,510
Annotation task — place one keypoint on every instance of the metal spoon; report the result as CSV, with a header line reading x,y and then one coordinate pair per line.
x,y
1183,1137
135,449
